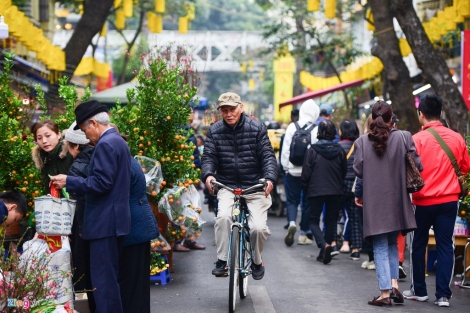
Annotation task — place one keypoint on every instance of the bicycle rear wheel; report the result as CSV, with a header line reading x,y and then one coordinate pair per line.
x,y
245,259
233,270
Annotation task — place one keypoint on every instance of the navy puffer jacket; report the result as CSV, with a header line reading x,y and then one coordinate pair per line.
x,y
239,156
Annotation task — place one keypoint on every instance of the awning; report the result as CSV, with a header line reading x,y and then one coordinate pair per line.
x,y
319,93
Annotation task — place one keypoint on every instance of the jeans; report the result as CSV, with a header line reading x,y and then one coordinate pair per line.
x,y
332,207
442,218
294,197
386,258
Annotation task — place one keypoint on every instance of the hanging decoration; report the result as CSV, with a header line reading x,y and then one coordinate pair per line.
x,y
313,5
330,8
160,6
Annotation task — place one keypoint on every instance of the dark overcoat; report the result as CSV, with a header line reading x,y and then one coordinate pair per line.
x,y
387,204
107,212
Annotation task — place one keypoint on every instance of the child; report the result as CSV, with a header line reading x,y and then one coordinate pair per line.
x,y
12,207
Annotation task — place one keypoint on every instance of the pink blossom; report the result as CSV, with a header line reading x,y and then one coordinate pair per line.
x,y
23,281
39,278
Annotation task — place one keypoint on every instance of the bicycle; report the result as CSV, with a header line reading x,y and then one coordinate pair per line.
x,y
239,251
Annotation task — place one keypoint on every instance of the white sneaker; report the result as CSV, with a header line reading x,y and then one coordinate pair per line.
x,y
304,240
371,265
442,301
410,295
365,264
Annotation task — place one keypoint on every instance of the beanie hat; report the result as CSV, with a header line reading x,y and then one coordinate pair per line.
x,y
76,136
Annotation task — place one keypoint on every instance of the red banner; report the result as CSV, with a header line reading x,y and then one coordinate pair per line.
x,y
465,71
104,83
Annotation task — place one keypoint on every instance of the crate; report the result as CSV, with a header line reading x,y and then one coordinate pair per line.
x,y
163,277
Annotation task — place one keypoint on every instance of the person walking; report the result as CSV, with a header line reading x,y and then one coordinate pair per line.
x,y
380,163
238,153
437,203
349,132
107,215
308,115
323,173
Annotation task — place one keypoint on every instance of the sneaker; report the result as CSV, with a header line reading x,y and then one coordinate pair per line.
x,y
334,251
327,254
355,256
257,271
289,240
371,265
442,301
303,240
410,295
365,264
220,268
401,272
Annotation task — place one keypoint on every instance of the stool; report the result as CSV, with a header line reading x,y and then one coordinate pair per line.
x,y
463,284
161,278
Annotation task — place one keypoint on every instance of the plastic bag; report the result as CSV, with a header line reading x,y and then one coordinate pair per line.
x,y
181,203
153,174
160,244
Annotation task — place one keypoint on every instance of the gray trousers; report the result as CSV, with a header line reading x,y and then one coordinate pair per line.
x,y
258,205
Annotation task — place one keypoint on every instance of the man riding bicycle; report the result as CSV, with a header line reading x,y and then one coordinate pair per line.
x,y
237,153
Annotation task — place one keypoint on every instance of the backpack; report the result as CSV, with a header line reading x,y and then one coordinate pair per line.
x,y
300,143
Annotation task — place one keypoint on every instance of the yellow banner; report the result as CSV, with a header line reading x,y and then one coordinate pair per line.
x,y
284,69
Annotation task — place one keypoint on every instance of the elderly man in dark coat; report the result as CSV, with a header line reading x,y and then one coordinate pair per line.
x,y
238,153
107,215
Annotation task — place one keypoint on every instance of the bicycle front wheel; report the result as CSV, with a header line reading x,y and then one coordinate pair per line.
x,y
244,259
233,270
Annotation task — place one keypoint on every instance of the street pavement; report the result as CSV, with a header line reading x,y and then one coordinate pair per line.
x,y
294,282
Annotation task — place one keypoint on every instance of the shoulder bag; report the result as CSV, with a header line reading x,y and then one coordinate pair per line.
x,y
414,180
462,180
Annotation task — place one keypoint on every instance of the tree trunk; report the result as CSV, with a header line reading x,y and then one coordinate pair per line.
x,y
433,65
130,45
88,26
397,73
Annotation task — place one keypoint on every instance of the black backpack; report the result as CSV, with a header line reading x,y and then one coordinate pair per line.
x,y
300,142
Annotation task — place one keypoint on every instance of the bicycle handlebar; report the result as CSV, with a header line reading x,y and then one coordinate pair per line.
x,y
262,184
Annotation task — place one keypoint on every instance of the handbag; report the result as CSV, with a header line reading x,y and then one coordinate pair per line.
x,y
414,180
462,180
54,216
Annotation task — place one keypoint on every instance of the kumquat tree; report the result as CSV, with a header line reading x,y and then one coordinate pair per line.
x,y
157,112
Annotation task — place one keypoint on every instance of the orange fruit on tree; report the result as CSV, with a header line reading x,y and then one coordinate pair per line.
x,y
463,212
180,184
164,183
31,175
168,118
193,165
162,159
168,158
173,233
190,181
154,193
64,120
192,157
180,218
186,185
171,201
23,189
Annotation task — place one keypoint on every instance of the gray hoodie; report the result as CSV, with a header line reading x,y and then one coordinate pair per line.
x,y
308,113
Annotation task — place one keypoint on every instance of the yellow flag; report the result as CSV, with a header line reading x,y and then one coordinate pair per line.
x,y
330,8
104,30
127,6
313,5
160,6
158,23
251,84
151,22
120,21
183,25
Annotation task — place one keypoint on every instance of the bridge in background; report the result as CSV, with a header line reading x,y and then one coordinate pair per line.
x,y
211,50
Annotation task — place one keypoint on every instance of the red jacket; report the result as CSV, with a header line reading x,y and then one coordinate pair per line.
x,y
441,183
